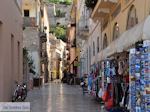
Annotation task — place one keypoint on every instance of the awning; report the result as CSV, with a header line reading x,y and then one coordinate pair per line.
x,y
139,32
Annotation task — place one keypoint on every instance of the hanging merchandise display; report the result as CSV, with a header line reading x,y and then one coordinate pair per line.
x,y
110,81
139,77
115,84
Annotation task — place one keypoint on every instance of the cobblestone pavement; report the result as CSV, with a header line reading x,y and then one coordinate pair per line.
x,y
55,97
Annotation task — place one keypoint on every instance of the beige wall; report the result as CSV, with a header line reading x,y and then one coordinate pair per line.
x,y
31,8
10,54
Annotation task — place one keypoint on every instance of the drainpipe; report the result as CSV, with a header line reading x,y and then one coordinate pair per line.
x,y
36,7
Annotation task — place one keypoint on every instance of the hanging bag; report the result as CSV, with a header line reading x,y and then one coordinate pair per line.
x,y
100,93
109,104
122,102
105,96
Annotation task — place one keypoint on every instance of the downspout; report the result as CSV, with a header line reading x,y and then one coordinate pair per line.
x,y
36,5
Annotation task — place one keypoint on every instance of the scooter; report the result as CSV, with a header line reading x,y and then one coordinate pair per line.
x,y
20,93
24,91
84,86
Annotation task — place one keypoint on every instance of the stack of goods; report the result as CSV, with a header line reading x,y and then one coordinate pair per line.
x,y
146,74
138,75
139,78
104,78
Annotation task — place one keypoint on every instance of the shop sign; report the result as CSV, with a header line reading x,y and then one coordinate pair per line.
x,y
75,63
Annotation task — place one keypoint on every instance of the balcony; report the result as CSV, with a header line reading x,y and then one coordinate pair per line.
x,y
103,8
29,22
43,37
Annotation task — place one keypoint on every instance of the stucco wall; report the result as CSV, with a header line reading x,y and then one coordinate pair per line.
x,y
31,42
52,11
95,32
10,48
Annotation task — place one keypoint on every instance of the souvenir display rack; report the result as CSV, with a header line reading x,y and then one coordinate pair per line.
x,y
140,77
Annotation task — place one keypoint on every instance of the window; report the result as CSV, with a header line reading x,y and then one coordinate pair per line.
x,y
12,54
93,48
26,13
132,18
116,31
105,42
98,44
18,60
89,55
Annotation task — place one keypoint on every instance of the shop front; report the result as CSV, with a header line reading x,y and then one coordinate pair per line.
x,y
123,71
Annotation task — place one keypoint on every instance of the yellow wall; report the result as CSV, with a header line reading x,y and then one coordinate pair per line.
x,y
142,11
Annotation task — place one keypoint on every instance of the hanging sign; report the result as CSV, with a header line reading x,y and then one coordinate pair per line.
x,y
78,63
75,63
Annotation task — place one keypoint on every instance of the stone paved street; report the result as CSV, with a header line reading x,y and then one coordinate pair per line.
x,y
56,97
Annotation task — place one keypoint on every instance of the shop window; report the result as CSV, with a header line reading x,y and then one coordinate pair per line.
x,y
98,45
93,48
26,13
132,18
116,31
105,41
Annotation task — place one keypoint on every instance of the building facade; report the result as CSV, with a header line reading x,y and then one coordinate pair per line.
x,y
58,57
10,48
73,44
120,17
31,40
36,35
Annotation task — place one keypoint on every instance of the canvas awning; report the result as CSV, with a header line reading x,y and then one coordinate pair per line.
x,y
138,33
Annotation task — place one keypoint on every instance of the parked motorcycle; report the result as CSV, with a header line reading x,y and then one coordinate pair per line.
x,y
20,93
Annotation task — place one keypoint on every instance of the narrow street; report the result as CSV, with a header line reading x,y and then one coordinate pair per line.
x,y
61,98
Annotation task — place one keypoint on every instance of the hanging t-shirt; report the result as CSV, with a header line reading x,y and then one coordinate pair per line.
x,y
90,80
